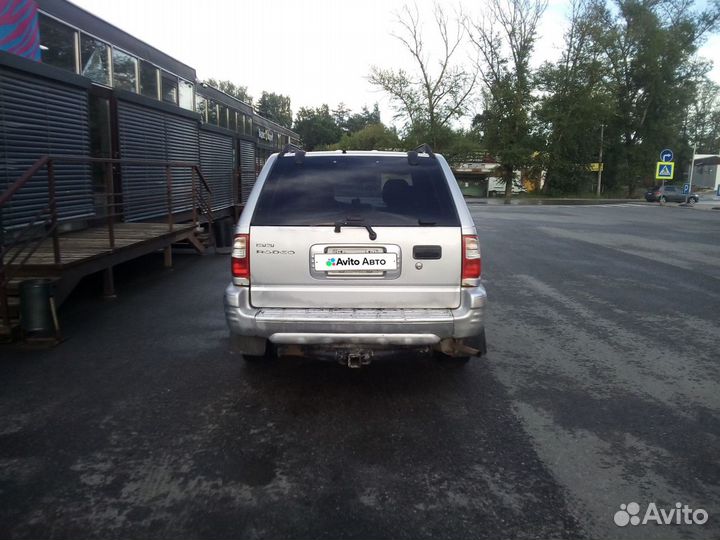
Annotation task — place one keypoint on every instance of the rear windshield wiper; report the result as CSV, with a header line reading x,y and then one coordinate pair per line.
x,y
426,222
353,221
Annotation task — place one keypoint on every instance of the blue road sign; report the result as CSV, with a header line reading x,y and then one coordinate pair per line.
x,y
686,189
666,155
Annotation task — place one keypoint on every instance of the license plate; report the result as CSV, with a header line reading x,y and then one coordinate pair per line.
x,y
352,262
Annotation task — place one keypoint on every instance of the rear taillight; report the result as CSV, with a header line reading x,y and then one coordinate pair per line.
x,y
471,261
240,261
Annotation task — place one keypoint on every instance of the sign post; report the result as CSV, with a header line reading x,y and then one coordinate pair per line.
x,y
600,167
690,179
665,167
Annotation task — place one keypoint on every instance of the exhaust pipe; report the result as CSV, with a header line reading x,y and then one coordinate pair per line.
x,y
456,347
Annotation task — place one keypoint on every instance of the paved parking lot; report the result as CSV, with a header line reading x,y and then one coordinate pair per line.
x,y
600,389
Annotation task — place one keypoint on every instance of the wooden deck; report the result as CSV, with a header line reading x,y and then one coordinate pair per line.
x,y
85,252
81,247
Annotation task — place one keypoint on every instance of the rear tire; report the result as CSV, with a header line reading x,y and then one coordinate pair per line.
x,y
692,201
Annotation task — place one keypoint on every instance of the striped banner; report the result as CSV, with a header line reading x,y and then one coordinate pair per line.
x,y
19,28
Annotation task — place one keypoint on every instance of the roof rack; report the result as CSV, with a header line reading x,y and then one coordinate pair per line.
x,y
299,152
425,148
413,154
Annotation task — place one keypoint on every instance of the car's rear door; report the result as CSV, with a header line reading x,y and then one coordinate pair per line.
x,y
355,231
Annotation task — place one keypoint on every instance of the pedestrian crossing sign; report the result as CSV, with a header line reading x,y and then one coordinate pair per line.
x,y
665,170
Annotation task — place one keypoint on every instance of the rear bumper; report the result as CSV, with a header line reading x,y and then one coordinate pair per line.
x,y
371,327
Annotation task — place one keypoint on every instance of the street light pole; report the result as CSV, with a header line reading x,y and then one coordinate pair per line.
x,y
600,163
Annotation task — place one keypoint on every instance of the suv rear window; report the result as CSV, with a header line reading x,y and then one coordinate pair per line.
x,y
384,191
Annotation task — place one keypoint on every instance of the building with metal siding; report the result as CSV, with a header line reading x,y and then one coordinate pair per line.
x,y
39,115
706,173
270,137
99,91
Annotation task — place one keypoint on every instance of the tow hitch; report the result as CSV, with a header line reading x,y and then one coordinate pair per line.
x,y
354,359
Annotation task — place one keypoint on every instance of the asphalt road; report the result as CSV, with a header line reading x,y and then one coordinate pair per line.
x,y
600,389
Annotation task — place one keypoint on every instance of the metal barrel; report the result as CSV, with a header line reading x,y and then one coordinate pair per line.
x,y
36,315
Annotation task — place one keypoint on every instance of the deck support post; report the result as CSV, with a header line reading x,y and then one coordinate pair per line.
x,y
109,283
168,257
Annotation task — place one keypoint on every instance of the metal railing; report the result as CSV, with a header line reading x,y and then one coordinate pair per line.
x,y
30,236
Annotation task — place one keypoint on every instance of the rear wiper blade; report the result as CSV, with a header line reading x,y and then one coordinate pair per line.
x,y
354,221
422,221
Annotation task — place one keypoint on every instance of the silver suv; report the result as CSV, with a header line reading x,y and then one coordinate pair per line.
x,y
355,254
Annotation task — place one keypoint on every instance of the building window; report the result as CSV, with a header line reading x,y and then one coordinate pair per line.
x,y
241,123
232,121
187,91
95,59
169,88
57,44
223,111
148,80
201,107
124,71
212,114
248,125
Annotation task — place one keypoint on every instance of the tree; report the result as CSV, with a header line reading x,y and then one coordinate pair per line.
x,y
351,122
358,121
275,107
629,66
428,97
341,115
316,127
649,51
703,119
575,103
370,137
230,88
504,38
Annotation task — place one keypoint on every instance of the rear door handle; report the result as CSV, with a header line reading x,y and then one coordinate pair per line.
x,y
427,252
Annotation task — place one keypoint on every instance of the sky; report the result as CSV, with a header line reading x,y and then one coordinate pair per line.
x,y
315,51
